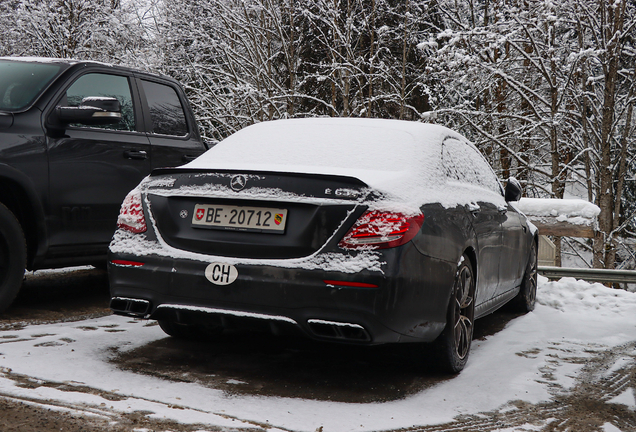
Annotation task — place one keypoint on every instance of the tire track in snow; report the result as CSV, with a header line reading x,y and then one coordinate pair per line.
x,y
111,414
586,407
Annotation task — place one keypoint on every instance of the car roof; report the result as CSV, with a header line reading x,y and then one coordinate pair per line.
x,y
331,145
399,158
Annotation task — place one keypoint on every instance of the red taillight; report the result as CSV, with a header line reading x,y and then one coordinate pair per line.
x,y
131,216
127,263
350,284
381,230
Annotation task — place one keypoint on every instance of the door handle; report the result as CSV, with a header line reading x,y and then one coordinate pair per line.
x,y
502,209
136,154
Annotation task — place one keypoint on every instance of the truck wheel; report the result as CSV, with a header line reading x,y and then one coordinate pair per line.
x,y
13,253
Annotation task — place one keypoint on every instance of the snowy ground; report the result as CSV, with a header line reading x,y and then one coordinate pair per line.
x,y
579,344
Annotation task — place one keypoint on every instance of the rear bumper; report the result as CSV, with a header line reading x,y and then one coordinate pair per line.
x,y
410,307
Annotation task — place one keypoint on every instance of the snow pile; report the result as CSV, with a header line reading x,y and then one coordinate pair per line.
x,y
577,296
574,211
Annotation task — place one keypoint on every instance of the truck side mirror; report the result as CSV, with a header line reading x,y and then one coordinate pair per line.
x,y
513,190
93,111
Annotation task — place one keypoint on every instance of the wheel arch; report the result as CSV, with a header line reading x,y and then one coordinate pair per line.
x,y
470,252
19,196
472,255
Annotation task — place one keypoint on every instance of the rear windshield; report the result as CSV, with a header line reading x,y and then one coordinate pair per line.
x,y
22,82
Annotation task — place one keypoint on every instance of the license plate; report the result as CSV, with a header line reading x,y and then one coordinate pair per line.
x,y
239,218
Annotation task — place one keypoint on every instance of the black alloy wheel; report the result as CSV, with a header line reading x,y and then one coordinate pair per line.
x,y
453,345
527,297
13,253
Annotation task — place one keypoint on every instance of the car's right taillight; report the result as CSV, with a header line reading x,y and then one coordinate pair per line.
x,y
131,216
381,230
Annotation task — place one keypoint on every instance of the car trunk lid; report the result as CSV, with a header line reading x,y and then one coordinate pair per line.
x,y
253,214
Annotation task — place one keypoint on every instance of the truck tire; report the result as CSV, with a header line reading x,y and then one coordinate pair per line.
x,y
13,254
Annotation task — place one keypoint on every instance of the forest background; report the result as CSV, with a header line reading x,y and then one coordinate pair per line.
x,y
545,88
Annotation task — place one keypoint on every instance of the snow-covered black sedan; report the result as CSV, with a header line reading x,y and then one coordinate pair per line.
x,y
361,231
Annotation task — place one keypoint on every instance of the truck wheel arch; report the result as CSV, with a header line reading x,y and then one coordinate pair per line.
x,y
18,194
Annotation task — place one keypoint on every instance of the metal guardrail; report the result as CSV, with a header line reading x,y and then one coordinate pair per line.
x,y
590,275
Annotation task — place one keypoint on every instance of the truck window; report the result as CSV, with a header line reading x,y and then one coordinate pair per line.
x,y
98,84
21,82
166,112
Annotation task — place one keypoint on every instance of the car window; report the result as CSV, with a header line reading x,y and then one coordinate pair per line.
x,y
461,162
166,112
99,84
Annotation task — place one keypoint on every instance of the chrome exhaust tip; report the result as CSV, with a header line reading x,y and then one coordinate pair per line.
x,y
130,307
338,330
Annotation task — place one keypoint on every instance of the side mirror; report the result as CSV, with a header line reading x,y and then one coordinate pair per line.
x,y
93,111
513,190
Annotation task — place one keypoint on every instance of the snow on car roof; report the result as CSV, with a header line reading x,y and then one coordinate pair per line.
x,y
399,158
329,146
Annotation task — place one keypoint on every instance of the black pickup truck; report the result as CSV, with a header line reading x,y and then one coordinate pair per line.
x,y
75,138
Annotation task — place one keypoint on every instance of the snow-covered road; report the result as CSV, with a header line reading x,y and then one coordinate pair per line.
x,y
580,342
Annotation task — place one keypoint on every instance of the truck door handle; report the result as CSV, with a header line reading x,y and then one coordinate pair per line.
x,y
136,154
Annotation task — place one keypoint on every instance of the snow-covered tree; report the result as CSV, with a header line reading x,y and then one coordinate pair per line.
x,y
253,60
546,89
106,30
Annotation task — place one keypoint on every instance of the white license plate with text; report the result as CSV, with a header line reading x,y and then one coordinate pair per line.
x,y
239,218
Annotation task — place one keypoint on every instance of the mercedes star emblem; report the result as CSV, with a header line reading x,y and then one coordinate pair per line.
x,y
238,182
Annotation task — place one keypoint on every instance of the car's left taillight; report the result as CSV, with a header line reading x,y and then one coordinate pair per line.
x,y
381,230
131,216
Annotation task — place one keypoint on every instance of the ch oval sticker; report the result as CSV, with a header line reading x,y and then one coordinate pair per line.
x,y
221,273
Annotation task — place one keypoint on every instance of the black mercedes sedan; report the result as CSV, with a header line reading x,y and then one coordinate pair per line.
x,y
362,231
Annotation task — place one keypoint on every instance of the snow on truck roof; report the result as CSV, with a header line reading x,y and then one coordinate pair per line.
x,y
400,158
66,61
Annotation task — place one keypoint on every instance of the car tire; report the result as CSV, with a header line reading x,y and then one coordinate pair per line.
x,y
13,255
527,297
189,331
453,345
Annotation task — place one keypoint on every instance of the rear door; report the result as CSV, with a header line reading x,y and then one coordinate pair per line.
x,y
172,131
507,222
92,168
514,242
464,164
